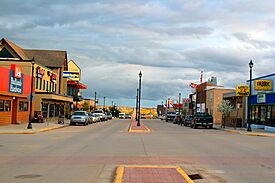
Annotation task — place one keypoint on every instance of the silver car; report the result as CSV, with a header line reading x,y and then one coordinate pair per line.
x,y
80,117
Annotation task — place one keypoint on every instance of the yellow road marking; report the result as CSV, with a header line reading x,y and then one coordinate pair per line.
x,y
120,171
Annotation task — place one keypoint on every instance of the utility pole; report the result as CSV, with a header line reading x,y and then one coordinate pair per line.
x,y
104,103
179,102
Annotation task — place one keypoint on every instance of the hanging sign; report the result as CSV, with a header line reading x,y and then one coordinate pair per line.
x,y
242,90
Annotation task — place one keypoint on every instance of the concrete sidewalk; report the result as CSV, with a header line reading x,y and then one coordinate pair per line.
x,y
243,131
36,127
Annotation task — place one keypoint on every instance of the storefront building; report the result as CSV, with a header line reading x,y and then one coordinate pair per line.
x,y
15,88
263,102
50,88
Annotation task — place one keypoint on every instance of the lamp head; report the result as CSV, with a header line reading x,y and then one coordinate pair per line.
x,y
32,60
140,74
251,64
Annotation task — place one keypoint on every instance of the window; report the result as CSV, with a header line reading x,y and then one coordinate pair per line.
x,y
1,105
263,114
51,114
7,105
45,110
43,84
57,110
50,87
47,86
40,86
36,83
23,106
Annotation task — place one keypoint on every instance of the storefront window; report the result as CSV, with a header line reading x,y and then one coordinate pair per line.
x,y
273,116
7,105
23,106
1,105
252,113
268,116
44,110
51,114
57,110
263,115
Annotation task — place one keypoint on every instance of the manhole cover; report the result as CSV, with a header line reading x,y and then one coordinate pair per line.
x,y
195,176
27,176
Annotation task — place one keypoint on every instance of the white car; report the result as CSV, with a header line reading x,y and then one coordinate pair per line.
x,y
80,117
101,113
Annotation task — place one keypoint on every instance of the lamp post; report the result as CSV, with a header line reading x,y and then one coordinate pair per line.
x,y
95,101
30,114
139,92
104,103
179,102
249,97
137,105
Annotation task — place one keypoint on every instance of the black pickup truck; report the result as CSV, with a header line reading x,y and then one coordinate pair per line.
x,y
202,119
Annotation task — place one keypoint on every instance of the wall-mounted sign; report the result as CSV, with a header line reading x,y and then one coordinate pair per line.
x,y
242,90
40,72
53,77
16,84
186,100
261,98
73,75
17,70
263,85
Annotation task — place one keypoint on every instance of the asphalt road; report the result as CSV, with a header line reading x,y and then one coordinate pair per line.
x,y
87,154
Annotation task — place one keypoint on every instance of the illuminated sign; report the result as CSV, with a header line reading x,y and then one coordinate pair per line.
x,y
15,84
242,90
263,85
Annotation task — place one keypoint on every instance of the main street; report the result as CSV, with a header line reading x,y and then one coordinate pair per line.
x,y
91,153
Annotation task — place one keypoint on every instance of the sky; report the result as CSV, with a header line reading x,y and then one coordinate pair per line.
x,y
170,42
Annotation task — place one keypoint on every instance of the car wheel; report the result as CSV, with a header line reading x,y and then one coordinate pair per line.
x,y
195,126
71,124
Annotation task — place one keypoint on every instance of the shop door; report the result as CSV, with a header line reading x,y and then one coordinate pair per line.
x,y
14,111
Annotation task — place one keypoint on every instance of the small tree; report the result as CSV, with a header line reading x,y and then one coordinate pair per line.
x,y
86,106
225,108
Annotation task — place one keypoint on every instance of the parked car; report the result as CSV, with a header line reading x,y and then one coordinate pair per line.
x,y
80,117
101,113
128,116
92,118
202,119
97,117
170,116
162,117
188,120
109,115
143,116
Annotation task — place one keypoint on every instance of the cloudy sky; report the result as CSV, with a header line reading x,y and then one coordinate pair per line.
x,y
171,42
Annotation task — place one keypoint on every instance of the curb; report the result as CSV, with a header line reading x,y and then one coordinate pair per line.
x,y
250,133
120,171
34,132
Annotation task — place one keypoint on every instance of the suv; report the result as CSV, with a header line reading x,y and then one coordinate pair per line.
x,y
202,119
170,116
101,113
81,117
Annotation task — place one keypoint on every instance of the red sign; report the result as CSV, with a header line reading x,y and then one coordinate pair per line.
x,y
193,85
40,72
186,100
17,71
53,77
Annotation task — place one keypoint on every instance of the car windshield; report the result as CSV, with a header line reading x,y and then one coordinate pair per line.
x,y
79,113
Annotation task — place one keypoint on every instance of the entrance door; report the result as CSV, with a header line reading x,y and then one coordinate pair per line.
x,y
14,110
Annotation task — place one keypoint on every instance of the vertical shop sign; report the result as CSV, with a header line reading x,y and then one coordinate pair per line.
x,y
16,79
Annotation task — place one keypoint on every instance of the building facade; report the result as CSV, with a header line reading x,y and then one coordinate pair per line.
x,y
15,87
262,101
50,88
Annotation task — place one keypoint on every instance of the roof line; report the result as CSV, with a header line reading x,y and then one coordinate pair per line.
x,y
261,77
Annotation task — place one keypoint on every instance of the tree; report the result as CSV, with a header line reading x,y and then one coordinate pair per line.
x,y
225,108
86,106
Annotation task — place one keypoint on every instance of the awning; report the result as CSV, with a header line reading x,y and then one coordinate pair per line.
x,y
76,84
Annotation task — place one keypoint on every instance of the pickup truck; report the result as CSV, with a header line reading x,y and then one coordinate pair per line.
x,y
202,119
170,116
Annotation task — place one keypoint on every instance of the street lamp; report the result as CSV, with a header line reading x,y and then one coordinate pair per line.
x,y
249,97
139,92
30,114
137,105
95,102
